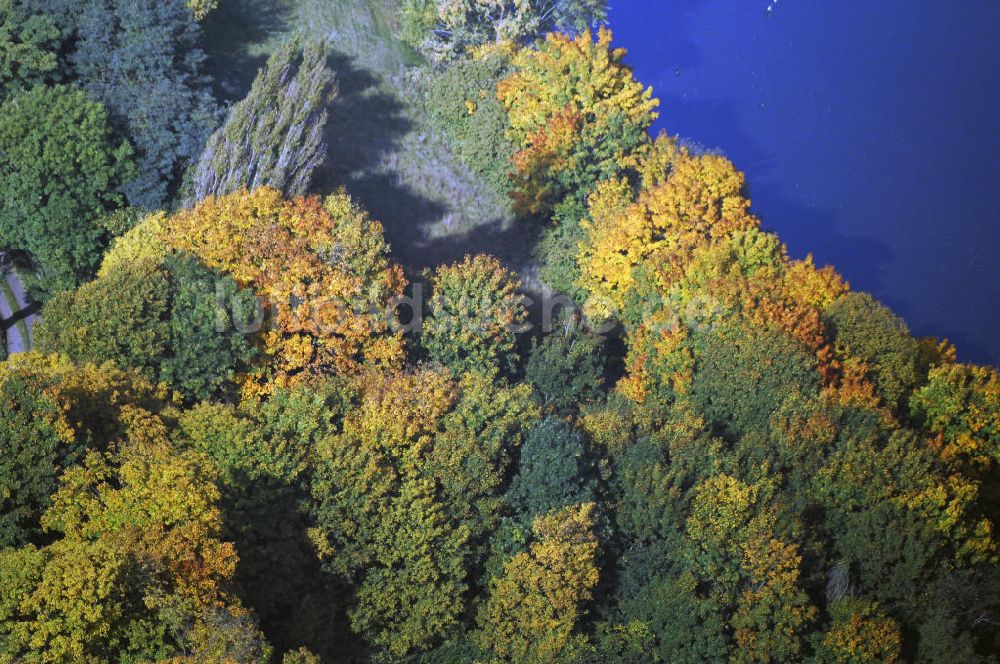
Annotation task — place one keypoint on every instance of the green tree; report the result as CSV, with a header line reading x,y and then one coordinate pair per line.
x,y
903,526
38,443
743,376
382,525
558,246
473,315
29,41
275,136
682,625
868,330
175,321
142,59
406,494
264,452
652,481
58,174
443,28
209,329
472,455
567,367
555,470
415,591
121,318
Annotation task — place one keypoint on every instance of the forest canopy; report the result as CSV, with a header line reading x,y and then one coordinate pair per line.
x,y
250,430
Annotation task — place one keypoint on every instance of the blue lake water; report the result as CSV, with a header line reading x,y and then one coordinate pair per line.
x,y
868,131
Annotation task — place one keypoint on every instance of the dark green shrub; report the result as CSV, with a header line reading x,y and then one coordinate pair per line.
x,y
567,367
462,103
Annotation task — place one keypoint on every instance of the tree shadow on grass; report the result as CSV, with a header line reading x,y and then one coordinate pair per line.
x,y
511,243
365,133
365,127
236,37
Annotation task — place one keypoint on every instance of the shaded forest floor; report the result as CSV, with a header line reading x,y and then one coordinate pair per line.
x,y
381,148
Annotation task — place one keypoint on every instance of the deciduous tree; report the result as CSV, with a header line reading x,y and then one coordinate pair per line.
x,y
59,172
701,201
444,28
382,525
164,319
471,457
142,60
322,270
743,377
578,115
960,408
866,329
29,40
462,103
202,8
138,567
38,443
567,367
860,632
535,606
473,315
555,470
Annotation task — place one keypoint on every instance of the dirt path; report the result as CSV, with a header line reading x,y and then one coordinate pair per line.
x,y
18,315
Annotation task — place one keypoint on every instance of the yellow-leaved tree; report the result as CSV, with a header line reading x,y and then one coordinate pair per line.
x,y
202,8
578,115
535,605
700,201
137,562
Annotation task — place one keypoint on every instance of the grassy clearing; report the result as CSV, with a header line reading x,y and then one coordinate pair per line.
x,y
240,35
434,208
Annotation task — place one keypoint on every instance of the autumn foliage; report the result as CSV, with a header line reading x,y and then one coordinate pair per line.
x,y
229,451
320,268
577,113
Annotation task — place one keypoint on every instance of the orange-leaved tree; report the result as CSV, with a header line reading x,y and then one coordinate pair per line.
x,y
321,269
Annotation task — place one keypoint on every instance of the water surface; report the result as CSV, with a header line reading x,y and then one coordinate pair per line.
x,y
868,132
